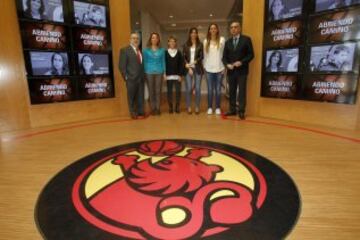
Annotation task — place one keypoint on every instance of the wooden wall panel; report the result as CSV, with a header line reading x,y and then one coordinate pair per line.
x,y
14,102
253,25
326,114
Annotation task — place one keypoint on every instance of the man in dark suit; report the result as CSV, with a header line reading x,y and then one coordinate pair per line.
x,y
132,69
238,53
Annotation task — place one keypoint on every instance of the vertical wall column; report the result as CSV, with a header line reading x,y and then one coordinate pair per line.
x,y
253,25
14,99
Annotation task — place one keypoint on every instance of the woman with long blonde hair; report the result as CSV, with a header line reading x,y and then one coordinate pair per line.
x,y
214,67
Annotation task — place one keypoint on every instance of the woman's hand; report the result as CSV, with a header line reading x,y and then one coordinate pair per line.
x,y
191,72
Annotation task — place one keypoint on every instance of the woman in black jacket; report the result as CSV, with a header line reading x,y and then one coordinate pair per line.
x,y
193,56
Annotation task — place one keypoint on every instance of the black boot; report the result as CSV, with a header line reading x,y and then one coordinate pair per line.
x,y
171,110
177,108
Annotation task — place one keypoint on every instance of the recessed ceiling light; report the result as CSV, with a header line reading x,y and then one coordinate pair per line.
x,y
171,16
211,15
173,25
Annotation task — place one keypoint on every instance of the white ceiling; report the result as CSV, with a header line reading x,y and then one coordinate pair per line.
x,y
185,12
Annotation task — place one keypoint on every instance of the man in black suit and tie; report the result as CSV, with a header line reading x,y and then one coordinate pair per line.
x,y
132,69
238,53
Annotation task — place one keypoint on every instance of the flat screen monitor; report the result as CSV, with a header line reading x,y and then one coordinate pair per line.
x,y
282,60
90,39
50,90
322,5
44,36
96,87
284,34
93,64
89,14
337,88
337,26
280,86
49,63
333,58
43,10
284,9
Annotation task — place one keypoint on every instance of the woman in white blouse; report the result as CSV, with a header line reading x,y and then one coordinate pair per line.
x,y
214,67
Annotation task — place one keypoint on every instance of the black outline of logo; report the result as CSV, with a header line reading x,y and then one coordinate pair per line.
x,y
57,218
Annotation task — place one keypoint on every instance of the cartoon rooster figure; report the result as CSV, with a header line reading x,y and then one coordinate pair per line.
x,y
148,190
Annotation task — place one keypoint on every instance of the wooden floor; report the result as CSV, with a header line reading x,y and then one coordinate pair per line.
x,y
324,163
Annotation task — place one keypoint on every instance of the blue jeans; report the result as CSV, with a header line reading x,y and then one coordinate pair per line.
x,y
214,81
189,89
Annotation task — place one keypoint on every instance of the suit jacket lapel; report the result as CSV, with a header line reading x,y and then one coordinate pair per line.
x,y
131,50
134,55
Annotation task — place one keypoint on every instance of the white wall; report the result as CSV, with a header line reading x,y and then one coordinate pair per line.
x,y
149,25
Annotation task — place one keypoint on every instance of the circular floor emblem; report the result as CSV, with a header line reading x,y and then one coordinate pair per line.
x,y
169,189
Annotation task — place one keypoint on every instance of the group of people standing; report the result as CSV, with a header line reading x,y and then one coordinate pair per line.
x,y
212,57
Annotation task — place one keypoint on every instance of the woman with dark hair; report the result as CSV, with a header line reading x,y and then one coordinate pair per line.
x,y
214,67
58,65
193,56
86,65
34,9
154,64
274,62
277,10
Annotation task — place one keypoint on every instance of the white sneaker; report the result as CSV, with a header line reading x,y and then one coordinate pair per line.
x,y
218,111
210,111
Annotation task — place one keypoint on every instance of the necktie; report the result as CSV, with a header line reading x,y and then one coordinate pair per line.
x,y
235,42
138,56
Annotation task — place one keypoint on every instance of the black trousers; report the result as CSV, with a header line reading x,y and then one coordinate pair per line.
x,y
170,86
135,93
237,81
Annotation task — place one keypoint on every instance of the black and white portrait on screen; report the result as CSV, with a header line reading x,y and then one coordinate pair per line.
x,y
49,63
89,14
43,10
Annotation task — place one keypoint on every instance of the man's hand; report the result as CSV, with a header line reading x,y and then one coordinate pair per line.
x,y
238,64
230,66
